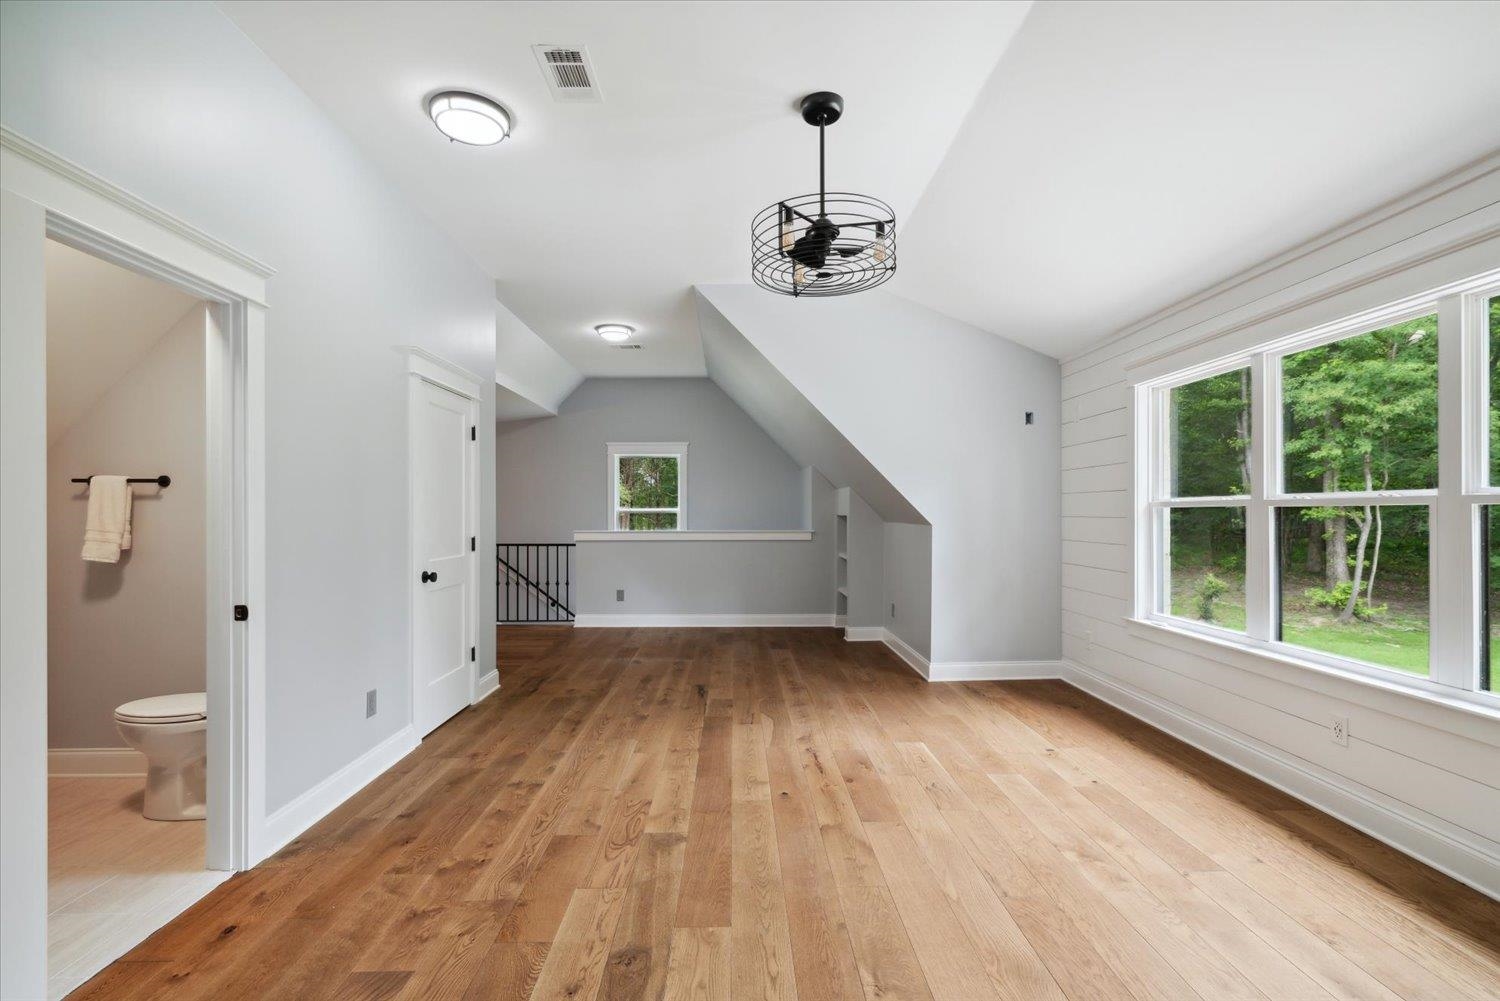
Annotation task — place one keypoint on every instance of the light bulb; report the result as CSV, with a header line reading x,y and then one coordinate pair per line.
x,y
788,234
880,251
799,275
614,332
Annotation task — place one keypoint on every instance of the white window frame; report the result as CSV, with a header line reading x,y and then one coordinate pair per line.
x,y
1454,508
678,450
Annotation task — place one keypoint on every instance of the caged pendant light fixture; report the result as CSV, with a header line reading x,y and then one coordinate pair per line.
x,y
830,243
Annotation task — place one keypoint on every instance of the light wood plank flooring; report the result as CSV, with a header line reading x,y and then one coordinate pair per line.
x,y
779,814
113,876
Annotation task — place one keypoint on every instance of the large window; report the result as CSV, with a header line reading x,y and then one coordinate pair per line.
x,y
1306,499
647,483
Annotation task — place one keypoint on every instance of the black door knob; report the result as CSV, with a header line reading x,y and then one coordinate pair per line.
x,y
429,577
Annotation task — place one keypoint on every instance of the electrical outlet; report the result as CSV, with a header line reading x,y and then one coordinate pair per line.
x,y
1341,731
1088,641
369,703
1030,417
620,594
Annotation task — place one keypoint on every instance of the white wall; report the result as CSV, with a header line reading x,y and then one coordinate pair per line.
x,y
214,133
128,630
937,407
1422,775
552,478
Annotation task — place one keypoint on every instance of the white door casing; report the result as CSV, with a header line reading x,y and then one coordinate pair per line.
x,y
443,536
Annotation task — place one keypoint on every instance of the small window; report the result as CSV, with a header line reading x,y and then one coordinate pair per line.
x,y
1361,413
647,481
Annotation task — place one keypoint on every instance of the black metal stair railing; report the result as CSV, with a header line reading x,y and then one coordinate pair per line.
x,y
534,581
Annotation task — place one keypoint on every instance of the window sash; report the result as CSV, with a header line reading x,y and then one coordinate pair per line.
x,y
646,450
1455,508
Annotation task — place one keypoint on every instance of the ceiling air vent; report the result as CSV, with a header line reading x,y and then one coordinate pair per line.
x,y
628,347
570,75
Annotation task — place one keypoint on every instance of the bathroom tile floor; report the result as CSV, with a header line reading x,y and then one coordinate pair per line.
x,y
114,877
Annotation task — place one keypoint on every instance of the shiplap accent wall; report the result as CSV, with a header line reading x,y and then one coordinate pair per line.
x,y
1423,775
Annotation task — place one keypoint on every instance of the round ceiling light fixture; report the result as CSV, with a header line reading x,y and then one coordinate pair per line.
x,y
830,243
468,118
614,332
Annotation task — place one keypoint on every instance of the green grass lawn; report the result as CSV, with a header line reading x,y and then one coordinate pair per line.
x,y
1397,638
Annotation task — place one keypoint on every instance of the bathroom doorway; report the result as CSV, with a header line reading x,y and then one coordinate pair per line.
x,y
127,626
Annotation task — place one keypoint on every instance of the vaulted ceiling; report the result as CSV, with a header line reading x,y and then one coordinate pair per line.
x,y
1059,170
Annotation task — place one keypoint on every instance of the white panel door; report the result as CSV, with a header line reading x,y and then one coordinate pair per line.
x,y
442,526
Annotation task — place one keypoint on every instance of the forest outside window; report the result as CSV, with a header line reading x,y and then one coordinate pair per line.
x,y
1303,499
647,482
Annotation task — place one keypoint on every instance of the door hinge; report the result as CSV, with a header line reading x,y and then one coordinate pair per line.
x,y
473,543
242,613
473,433
473,653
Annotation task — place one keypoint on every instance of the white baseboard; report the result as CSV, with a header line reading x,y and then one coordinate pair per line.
x,y
486,686
97,762
319,801
864,634
906,652
1403,831
995,670
627,621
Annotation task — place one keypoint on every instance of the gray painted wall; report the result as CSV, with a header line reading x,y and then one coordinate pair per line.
x,y
128,630
908,584
359,270
698,578
938,406
552,477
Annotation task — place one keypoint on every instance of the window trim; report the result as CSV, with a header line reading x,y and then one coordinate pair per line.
x,y
615,450
1454,507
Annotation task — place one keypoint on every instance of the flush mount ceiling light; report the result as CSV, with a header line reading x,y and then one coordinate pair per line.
x,y
614,332
469,118
830,243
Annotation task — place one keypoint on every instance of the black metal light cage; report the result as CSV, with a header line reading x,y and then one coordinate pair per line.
x,y
828,243
862,256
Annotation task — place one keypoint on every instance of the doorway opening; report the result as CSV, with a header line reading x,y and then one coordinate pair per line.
x,y
128,727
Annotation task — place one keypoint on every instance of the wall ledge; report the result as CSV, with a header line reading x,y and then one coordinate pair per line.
x,y
691,536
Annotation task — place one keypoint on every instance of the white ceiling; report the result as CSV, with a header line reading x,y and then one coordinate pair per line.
x,y
1126,156
1120,157
613,211
101,321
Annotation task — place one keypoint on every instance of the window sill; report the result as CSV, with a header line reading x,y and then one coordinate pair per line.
x,y
1468,714
675,535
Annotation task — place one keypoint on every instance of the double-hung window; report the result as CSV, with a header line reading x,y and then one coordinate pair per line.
x,y
1334,496
647,485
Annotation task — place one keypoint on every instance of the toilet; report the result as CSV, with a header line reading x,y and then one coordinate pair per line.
x,y
172,732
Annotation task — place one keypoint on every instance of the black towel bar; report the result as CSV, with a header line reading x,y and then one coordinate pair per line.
x,y
161,481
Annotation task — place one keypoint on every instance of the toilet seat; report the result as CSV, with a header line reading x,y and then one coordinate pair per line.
x,y
182,708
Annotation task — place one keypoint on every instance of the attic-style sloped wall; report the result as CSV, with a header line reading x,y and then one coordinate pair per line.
x,y
938,408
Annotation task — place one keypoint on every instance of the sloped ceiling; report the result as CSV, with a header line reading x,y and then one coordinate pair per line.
x,y
792,422
101,321
1125,156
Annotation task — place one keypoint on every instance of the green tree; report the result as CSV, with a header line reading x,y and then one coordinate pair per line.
x,y
1361,414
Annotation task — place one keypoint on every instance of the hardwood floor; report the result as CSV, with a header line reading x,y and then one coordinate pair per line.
x,y
769,813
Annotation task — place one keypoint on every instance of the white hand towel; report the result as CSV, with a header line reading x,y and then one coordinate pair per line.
x,y
108,528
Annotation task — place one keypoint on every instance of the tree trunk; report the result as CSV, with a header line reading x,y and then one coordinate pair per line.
x,y
1347,615
1242,429
1315,530
1374,559
1335,540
